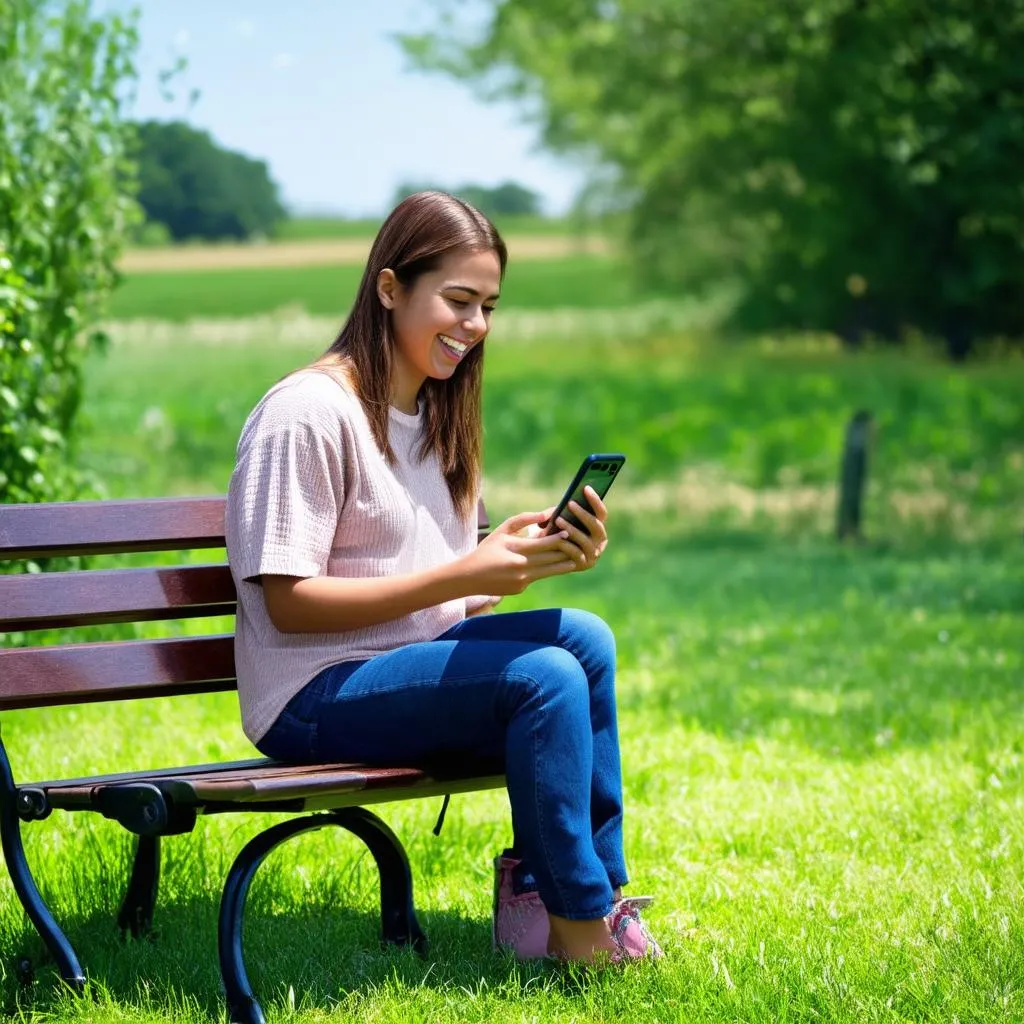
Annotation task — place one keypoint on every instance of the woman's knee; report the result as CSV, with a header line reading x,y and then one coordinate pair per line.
x,y
589,632
551,675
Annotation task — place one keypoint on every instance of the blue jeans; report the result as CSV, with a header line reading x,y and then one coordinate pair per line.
x,y
530,692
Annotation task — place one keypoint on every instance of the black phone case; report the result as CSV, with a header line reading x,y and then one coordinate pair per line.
x,y
599,471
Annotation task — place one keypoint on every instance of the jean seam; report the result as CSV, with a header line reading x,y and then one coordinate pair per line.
x,y
535,687
568,905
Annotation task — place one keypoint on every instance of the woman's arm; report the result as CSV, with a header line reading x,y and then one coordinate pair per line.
x,y
500,564
328,604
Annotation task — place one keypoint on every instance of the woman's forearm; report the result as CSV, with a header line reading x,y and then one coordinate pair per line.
x,y
330,604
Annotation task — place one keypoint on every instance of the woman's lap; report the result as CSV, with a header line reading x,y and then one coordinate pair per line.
x,y
530,693
447,697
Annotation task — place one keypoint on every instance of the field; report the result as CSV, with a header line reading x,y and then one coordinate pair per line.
x,y
231,291
822,742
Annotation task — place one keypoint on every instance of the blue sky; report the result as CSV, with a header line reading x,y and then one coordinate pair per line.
x,y
320,90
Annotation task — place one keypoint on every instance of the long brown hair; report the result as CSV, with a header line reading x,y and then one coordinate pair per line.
x,y
414,239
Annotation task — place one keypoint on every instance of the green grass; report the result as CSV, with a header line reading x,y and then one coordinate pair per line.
x,y
688,412
822,744
579,281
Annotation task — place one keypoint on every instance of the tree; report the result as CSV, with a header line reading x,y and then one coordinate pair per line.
x,y
855,166
198,189
509,199
65,207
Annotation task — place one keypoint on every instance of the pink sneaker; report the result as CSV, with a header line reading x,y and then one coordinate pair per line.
x,y
630,932
519,922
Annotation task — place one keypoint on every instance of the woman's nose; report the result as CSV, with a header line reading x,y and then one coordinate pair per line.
x,y
477,323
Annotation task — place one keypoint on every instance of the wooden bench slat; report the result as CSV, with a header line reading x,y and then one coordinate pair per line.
x,y
254,782
108,527
245,766
54,600
119,670
61,529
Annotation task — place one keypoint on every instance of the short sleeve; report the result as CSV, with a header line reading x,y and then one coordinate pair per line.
x,y
287,490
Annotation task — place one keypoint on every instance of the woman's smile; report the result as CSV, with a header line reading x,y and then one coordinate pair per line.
x,y
452,347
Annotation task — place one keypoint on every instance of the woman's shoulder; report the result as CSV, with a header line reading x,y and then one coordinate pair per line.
x,y
309,395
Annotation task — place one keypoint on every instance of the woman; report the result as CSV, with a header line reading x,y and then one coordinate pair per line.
x,y
351,525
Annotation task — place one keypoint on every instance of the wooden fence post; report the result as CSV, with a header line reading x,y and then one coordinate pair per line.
x,y
853,475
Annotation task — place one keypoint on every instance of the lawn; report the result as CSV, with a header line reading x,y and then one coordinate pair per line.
x,y
822,743
578,281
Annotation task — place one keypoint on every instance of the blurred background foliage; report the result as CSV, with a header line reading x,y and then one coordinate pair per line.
x,y
795,211
837,170
509,199
196,189
66,206
855,165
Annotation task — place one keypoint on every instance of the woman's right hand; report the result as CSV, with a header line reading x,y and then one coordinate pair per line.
x,y
510,559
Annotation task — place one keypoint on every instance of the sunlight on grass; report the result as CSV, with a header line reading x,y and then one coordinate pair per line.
x,y
822,744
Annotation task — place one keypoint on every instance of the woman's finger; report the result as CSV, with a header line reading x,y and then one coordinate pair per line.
x,y
594,526
567,565
520,522
544,542
550,557
598,506
579,538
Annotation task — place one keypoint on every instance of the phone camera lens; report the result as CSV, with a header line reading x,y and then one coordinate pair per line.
x,y
600,466
613,468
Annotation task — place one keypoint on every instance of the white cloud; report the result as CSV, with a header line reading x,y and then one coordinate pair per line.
x,y
245,28
181,38
281,61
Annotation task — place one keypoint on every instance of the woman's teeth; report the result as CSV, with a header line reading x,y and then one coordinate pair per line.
x,y
457,347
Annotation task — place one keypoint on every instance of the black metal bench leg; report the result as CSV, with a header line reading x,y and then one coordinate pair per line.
x,y
136,913
397,914
24,884
398,918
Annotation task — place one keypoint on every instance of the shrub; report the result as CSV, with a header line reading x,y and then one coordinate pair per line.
x,y
65,207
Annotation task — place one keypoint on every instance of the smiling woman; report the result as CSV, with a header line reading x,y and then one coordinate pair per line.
x,y
438,318
351,536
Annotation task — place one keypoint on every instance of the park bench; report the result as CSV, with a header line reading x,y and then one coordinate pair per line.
x,y
168,801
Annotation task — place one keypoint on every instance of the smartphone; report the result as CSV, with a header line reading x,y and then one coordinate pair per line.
x,y
599,471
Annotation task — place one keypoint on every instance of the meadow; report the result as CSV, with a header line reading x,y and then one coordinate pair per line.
x,y
577,281
822,742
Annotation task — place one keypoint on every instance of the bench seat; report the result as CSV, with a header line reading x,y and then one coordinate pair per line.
x,y
153,804
258,784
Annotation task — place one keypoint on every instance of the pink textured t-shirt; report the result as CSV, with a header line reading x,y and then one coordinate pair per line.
x,y
312,495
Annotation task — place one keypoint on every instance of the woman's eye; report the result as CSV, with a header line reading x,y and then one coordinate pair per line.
x,y
488,310
460,303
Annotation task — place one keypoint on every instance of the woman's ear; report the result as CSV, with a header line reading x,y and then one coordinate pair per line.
x,y
387,288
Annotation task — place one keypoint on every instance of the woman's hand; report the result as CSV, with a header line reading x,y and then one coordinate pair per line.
x,y
514,556
592,542
486,608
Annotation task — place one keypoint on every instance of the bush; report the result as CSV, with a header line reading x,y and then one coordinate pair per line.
x,y
197,189
65,207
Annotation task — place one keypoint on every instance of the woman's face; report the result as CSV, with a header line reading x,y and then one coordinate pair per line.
x,y
439,319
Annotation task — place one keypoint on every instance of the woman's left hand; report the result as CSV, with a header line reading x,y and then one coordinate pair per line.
x,y
594,540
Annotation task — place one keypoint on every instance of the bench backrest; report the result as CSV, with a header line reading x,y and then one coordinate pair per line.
x,y
75,673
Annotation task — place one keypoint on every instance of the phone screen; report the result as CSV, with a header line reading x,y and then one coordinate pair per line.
x,y
597,471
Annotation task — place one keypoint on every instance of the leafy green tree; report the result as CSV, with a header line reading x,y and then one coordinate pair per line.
x,y
509,199
64,209
854,165
197,189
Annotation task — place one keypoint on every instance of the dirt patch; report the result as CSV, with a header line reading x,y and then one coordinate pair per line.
x,y
334,252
